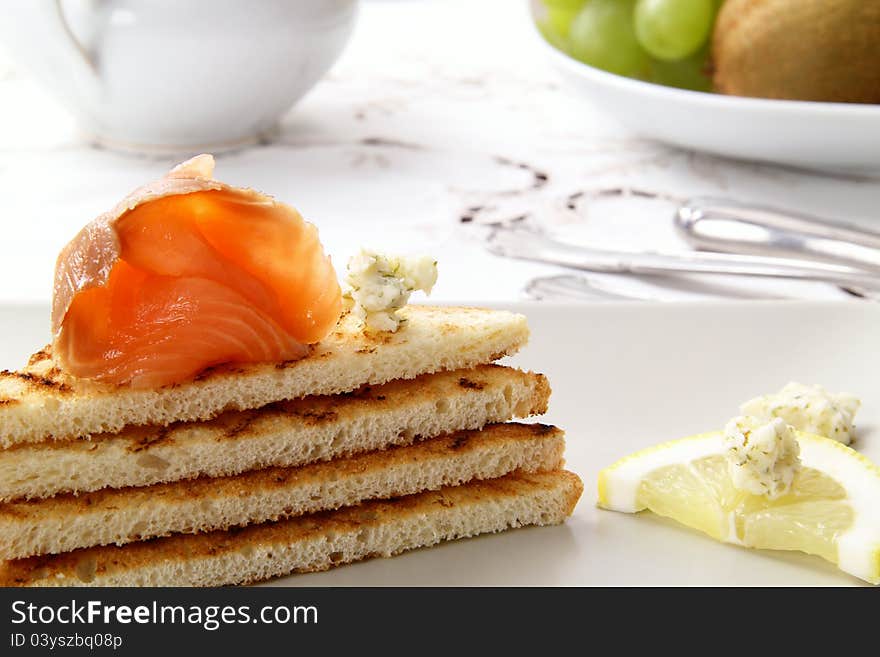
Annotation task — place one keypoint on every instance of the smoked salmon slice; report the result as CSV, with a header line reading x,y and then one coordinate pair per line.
x,y
187,273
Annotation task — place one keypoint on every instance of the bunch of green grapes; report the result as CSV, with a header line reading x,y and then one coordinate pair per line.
x,y
664,41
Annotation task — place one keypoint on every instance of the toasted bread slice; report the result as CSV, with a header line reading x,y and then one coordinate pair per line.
x,y
283,434
42,402
68,522
311,543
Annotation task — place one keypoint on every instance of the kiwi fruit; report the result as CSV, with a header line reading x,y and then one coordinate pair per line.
x,y
820,50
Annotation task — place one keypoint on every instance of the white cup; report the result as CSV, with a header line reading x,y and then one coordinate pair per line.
x,y
172,75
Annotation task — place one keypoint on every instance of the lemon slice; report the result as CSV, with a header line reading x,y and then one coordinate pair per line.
x,y
832,509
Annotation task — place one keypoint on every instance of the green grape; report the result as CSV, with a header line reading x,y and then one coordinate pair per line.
x,y
556,19
559,20
690,73
673,29
602,35
573,5
552,37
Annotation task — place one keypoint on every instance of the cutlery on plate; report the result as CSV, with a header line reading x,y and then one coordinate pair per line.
x,y
732,227
528,244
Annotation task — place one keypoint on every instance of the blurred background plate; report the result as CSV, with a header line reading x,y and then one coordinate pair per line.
x,y
811,135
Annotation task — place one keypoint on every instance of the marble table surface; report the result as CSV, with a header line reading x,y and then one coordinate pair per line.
x,y
441,116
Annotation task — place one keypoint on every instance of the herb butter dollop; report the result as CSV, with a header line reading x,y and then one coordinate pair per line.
x,y
379,285
809,408
763,456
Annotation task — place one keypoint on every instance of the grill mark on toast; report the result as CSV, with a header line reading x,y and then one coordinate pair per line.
x,y
151,439
212,370
539,429
38,381
468,384
381,337
314,417
364,392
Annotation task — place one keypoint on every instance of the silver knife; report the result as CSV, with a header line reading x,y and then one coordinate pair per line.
x,y
733,227
526,244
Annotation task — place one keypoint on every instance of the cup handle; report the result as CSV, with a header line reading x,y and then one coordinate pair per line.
x,y
40,39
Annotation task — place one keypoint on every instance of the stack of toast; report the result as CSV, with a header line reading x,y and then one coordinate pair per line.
x,y
371,445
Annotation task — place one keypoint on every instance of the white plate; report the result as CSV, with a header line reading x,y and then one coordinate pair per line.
x,y
830,136
626,376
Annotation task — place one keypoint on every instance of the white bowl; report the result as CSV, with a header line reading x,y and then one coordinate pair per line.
x,y
825,136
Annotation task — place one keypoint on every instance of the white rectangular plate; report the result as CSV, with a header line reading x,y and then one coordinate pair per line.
x,y
624,377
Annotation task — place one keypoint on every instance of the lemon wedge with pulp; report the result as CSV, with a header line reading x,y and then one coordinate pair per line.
x,y
832,509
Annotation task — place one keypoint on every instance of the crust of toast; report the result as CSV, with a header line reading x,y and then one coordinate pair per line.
x,y
284,434
311,543
42,402
68,522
